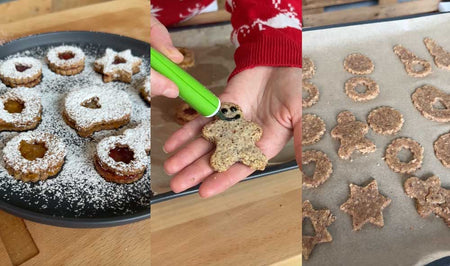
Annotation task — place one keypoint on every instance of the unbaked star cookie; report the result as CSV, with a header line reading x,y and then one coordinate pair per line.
x,y
117,65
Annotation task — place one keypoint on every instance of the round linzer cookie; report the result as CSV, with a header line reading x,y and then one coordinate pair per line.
x,y
308,68
414,66
185,113
145,90
21,72
394,162
323,169
93,109
440,56
117,66
235,139
371,92
20,110
313,94
358,64
313,128
34,156
442,149
188,60
121,159
66,60
425,98
385,120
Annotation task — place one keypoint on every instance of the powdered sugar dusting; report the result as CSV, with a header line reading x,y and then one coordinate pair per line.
x,y
32,107
78,190
107,61
53,56
8,68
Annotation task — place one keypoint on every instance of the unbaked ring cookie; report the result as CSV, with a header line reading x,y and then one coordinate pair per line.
x,y
442,149
20,109
66,60
424,99
185,113
313,94
410,60
120,159
323,169
145,90
117,66
93,109
404,167
313,128
34,156
308,68
21,72
385,120
188,60
358,64
372,89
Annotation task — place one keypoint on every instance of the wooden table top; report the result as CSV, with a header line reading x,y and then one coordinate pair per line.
x,y
253,223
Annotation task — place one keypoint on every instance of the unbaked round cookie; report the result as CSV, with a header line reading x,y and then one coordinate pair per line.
x,y
34,156
323,169
442,149
372,89
404,167
358,64
308,68
385,120
313,128
313,94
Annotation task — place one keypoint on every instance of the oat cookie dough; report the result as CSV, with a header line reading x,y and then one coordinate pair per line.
x,y
308,68
188,60
358,64
365,205
385,120
120,66
371,92
313,128
424,99
320,220
313,94
323,169
235,140
442,149
21,72
404,167
430,197
66,60
20,110
410,61
351,133
440,56
185,113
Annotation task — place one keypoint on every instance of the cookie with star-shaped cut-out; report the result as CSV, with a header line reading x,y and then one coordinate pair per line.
x,y
119,66
320,219
365,204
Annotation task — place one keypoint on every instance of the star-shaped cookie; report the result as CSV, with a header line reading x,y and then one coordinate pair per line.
x,y
117,66
365,204
430,197
320,220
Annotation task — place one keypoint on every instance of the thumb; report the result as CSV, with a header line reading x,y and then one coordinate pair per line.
x,y
161,41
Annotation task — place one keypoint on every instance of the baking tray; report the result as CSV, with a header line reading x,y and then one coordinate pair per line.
x,y
60,210
406,238
214,62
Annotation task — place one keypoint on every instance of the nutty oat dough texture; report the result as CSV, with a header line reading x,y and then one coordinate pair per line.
x,y
440,56
430,197
425,97
309,69
235,140
320,220
442,149
358,64
313,128
322,171
365,205
385,120
410,60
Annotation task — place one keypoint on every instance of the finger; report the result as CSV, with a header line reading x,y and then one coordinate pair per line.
x,y
219,182
161,85
161,41
185,134
192,175
298,143
187,155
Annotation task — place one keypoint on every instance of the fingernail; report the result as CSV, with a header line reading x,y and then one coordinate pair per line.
x,y
164,150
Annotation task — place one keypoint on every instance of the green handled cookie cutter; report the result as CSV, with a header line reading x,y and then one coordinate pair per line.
x,y
191,91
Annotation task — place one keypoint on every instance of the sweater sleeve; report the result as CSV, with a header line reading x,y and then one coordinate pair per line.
x,y
266,33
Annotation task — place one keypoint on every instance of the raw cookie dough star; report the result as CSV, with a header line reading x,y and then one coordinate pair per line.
x,y
365,204
117,66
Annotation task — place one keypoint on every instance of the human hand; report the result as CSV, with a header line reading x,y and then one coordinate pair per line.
x,y
161,41
269,96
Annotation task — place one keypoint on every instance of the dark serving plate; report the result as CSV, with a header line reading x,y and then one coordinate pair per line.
x,y
61,215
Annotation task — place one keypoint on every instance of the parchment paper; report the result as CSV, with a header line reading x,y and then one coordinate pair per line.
x,y
214,62
406,239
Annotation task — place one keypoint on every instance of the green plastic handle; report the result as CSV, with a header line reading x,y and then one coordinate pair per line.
x,y
191,91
